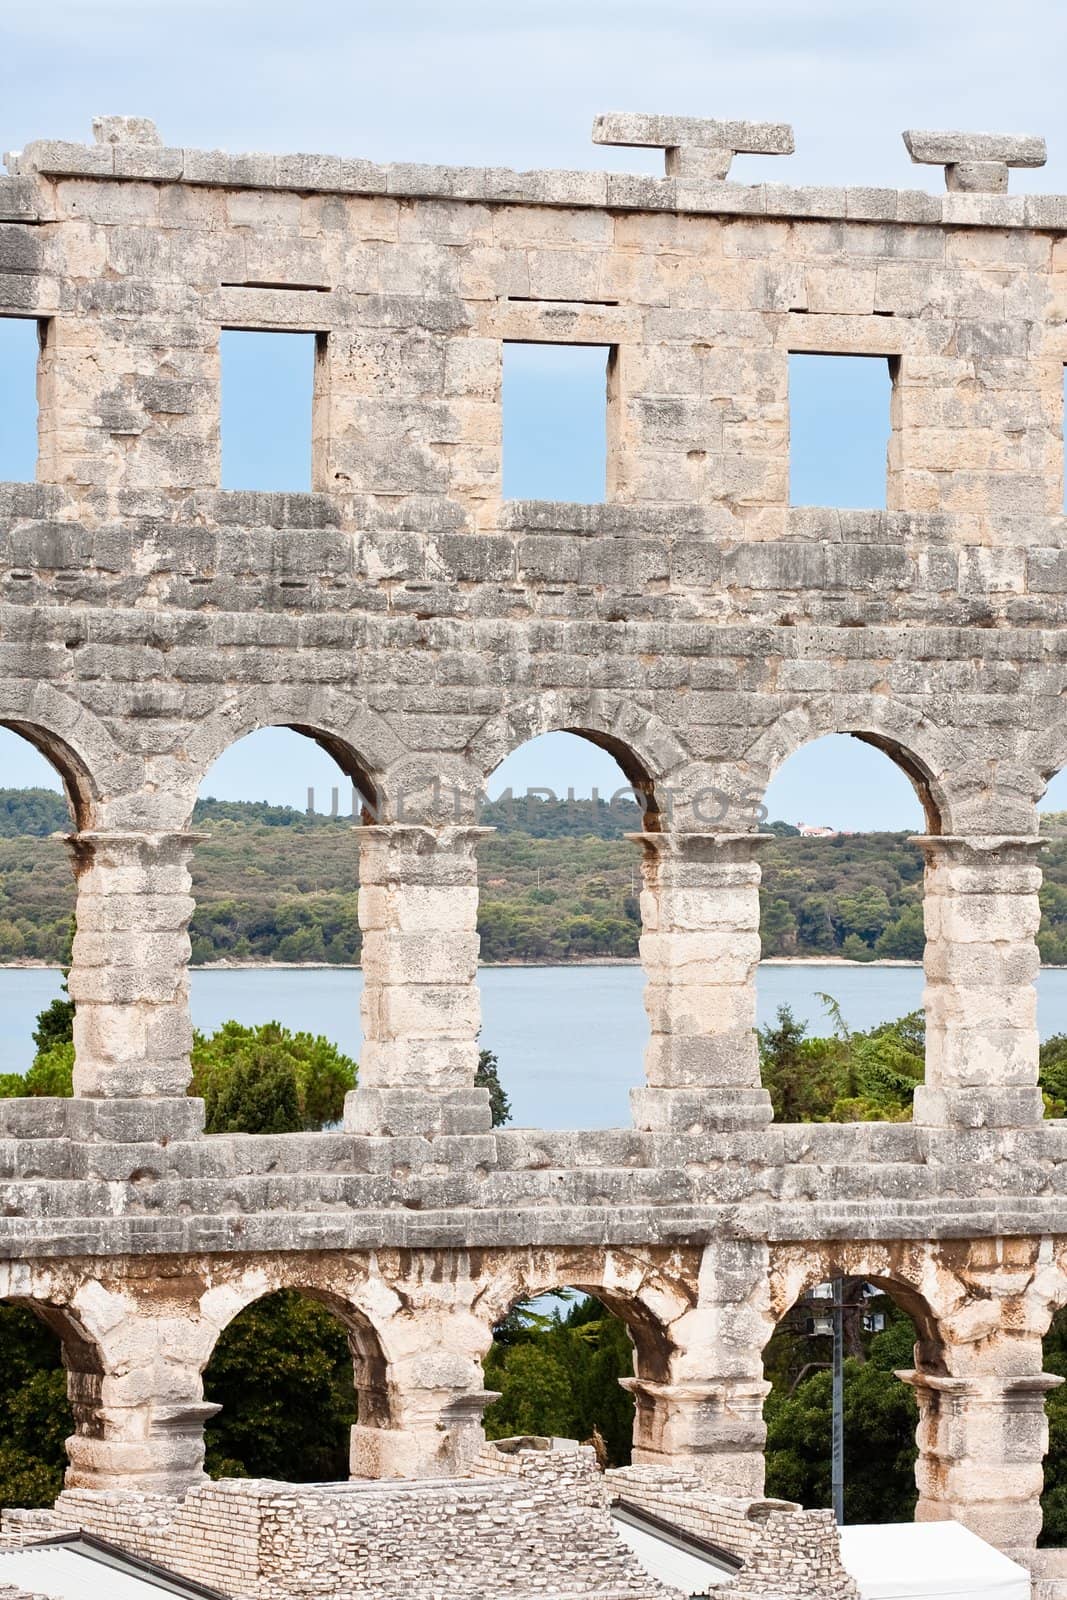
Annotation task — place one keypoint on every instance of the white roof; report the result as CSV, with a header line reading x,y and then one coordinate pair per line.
x,y
672,1562
929,1561
62,1573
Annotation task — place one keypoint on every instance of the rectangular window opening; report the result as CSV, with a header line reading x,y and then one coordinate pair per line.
x,y
839,427
555,422
268,397
21,343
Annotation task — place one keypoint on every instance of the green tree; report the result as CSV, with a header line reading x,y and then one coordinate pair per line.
x,y
863,912
1054,1499
267,1079
35,1416
537,1394
282,1373
778,927
904,939
55,1024
559,1374
848,1077
1053,1073
488,1077
52,1072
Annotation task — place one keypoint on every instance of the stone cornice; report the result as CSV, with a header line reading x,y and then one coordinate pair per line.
x,y
615,191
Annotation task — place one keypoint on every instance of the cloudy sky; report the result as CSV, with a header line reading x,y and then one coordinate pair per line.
x,y
519,84
477,81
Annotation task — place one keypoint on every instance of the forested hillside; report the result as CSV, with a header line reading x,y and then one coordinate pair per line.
x,y
559,882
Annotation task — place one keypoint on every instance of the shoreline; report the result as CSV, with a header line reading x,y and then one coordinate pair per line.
x,y
31,965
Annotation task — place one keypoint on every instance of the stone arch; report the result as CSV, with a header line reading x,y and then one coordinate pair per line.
x,y
645,748
85,756
909,739
361,742
647,1297
906,1272
370,1364
921,1285
1044,757
83,1356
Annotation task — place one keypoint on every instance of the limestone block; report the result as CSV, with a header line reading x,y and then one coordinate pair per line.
x,y
402,1113
422,958
948,149
723,1061
749,138
699,1111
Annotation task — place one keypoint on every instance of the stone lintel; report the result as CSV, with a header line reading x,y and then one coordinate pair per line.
x,y
697,148
634,129
422,835
715,1389
122,836
697,190
943,149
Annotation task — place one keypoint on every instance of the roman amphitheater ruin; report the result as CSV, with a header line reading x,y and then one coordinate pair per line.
x,y
420,628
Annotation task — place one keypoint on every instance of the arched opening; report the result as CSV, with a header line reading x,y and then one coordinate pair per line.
x,y
840,988
559,922
882,1330
1052,946
45,793
35,1413
293,1373
561,1363
51,1377
274,991
1054,1495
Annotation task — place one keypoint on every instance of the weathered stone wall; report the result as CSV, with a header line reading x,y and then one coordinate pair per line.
x,y
421,627
783,1549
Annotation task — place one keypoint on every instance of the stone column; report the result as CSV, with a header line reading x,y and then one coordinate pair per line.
x,y
129,974
706,1414
982,915
427,1420
700,948
714,1428
138,1404
418,908
982,1440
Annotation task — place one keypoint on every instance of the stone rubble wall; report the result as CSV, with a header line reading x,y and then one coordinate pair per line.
x,y
530,1518
785,1550
537,1526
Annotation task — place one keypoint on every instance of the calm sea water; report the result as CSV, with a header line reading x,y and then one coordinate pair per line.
x,y
570,1040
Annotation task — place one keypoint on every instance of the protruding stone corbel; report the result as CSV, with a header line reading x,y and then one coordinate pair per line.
x,y
976,163
695,147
